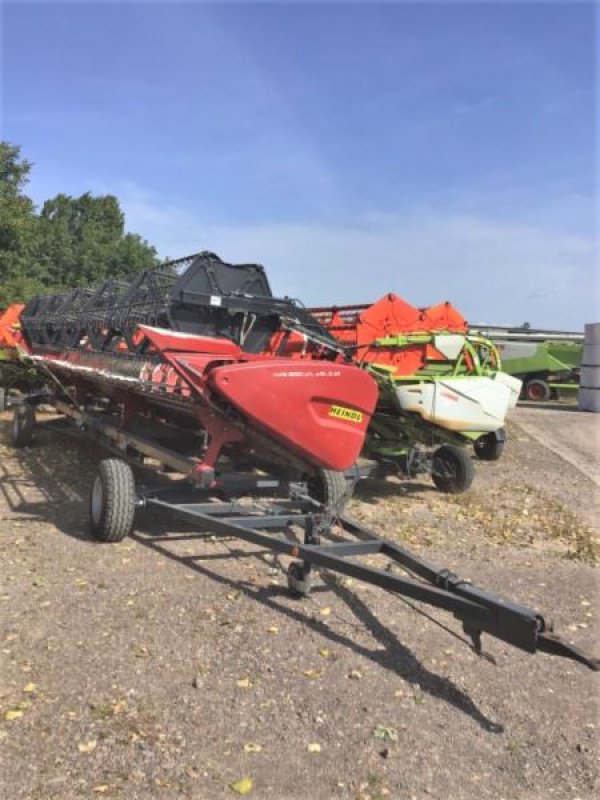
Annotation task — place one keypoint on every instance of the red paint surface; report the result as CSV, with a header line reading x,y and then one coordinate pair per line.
x,y
288,400
292,400
9,326
361,326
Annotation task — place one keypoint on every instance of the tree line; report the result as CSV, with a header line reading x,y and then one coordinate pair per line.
x,y
70,241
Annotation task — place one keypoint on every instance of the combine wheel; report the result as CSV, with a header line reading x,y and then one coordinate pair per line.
x,y
23,423
329,488
112,501
537,390
452,469
299,581
489,447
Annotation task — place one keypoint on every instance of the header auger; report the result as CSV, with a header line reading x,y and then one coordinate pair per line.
x,y
220,394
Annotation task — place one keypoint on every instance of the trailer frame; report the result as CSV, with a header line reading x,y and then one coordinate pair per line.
x,y
314,536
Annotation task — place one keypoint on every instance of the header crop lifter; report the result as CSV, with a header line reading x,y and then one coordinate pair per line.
x,y
164,368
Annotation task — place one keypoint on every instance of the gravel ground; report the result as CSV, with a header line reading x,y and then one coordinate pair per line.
x,y
173,668
575,435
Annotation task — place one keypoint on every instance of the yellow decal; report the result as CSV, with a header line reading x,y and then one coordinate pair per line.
x,y
345,413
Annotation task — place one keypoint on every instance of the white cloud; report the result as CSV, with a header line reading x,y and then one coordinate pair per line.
x,y
493,270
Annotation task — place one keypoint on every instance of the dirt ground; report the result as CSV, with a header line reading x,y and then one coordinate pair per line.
x,y
571,434
174,665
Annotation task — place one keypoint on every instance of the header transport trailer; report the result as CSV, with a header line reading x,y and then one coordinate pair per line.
x,y
180,367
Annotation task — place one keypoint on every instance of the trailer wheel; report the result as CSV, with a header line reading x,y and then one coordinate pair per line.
x,y
488,447
299,581
112,501
452,469
23,423
329,488
537,390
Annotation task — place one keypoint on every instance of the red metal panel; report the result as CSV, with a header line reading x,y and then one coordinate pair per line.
x,y
164,339
319,409
9,325
360,326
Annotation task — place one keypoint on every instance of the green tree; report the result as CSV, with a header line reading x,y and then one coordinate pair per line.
x,y
73,241
19,225
83,241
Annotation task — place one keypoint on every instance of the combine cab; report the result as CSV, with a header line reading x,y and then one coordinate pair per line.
x,y
438,386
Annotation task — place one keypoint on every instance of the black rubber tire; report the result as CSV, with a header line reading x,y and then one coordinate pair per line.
x,y
112,501
452,469
22,425
536,390
299,583
330,488
488,447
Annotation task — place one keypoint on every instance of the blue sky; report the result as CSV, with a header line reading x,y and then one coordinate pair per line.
x,y
438,150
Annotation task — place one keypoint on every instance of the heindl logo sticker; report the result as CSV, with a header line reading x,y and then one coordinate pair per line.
x,y
345,413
